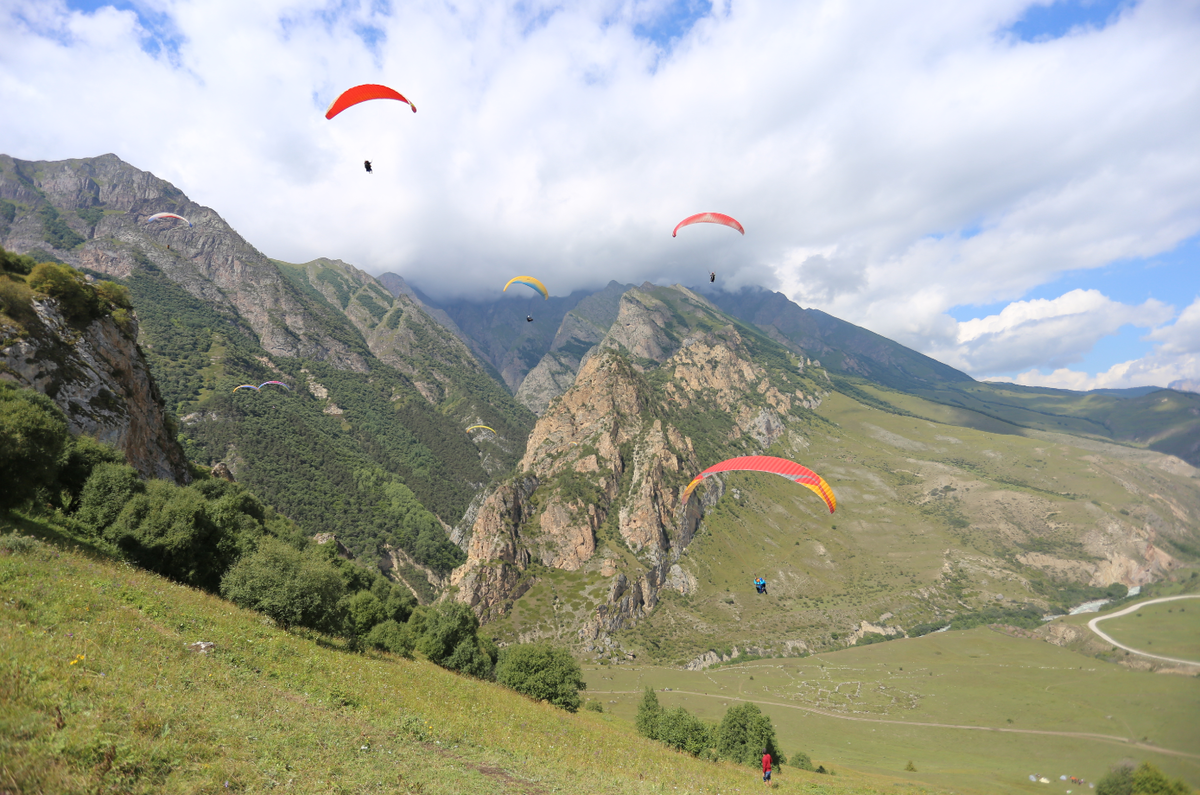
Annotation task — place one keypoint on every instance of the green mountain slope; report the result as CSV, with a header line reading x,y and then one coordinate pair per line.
x,y
368,443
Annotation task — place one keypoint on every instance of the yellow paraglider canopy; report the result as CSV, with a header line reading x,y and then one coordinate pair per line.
x,y
486,428
531,282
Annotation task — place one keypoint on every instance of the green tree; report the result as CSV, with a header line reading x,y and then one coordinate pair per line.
x,y
33,439
294,588
76,298
447,635
680,729
1149,780
108,489
743,735
647,715
542,671
391,636
364,611
83,455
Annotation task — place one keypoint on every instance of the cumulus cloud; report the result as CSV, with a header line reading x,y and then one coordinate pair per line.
x,y
889,161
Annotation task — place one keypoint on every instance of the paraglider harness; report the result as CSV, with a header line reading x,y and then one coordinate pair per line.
x,y
760,585
529,318
367,166
712,276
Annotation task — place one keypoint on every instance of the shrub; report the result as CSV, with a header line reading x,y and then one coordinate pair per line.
x,y
542,671
391,636
16,263
447,635
680,729
107,491
78,300
594,706
33,436
744,733
294,588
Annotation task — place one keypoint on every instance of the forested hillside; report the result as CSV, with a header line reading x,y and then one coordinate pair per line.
x,y
366,437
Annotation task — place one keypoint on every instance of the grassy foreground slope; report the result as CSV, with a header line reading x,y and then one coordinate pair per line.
x,y
99,692
976,709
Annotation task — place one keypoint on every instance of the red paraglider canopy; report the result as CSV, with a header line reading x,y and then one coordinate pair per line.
x,y
709,218
353,96
775,466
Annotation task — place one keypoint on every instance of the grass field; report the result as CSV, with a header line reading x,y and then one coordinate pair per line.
x,y
864,708
99,692
1171,629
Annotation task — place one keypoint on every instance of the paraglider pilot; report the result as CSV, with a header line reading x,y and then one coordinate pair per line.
x,y
367,166
712,276
529,318
760,585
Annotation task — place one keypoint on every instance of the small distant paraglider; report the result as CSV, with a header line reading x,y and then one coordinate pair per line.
x,y
164,216
486,428
709,218
367,166
260,386
712,276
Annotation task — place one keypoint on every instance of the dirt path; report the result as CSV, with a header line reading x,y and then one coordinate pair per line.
x,y
1092,626
1109,738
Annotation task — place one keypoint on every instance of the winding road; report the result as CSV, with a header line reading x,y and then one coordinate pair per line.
x,y
1092,626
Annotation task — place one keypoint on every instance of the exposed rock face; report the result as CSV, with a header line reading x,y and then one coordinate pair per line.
x,y
210,260
221,470
98,377
608,453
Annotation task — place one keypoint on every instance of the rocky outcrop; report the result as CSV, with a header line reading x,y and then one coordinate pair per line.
x,y
98,377
609,453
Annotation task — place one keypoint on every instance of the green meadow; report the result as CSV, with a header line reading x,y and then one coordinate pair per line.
x,y
1171,629
99,692
972,709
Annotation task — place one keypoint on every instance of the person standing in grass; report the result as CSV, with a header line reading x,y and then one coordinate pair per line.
x,y
766,768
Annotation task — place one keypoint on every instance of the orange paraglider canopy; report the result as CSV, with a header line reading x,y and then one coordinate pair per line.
x,y
775,466
363,93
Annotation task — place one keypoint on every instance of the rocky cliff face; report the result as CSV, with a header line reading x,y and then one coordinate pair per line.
x,y
98,377
606,463
101,204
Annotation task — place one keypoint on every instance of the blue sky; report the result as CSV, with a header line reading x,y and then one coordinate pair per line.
x,y
1006,185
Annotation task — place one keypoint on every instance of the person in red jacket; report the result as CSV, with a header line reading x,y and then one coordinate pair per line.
x,y
766,768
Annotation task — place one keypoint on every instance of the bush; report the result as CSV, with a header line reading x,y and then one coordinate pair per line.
x,y
542,671
1145,780
680,729
16,263
78,300
33,439
391,636
594,706
744,733
447,635
107,491
294,588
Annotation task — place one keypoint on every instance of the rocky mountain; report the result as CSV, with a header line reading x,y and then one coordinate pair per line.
x,y
937,518
93,369
366,436
673,382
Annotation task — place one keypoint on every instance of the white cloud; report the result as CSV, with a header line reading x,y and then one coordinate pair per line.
x,y
889,161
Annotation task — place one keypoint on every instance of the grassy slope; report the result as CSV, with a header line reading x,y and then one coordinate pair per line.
x,y
105,645
917,500
1168,628
863,707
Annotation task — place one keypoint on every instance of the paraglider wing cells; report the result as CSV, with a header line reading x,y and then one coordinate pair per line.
x,y
353,96
775,466
709,218
246,386
531,282
276,383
